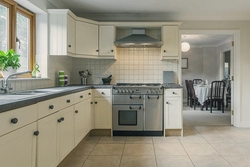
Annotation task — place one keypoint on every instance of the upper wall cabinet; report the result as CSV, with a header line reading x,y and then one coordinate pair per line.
x,y
86,39
171,45
107,48
62,32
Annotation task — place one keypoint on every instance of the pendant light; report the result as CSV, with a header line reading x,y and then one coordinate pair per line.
x,y
185,46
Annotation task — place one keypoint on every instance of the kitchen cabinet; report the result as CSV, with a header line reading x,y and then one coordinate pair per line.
x,y
18,148
18,137
103,109
56,137
86,39
173,109
82,117
62,32
171,43
107,36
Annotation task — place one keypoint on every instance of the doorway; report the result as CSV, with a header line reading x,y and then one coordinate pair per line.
x,y
230,68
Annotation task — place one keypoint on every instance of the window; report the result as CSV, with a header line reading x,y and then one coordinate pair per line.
x,y
17,29
3,27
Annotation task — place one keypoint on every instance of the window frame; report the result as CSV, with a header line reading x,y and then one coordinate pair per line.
x,y
14,8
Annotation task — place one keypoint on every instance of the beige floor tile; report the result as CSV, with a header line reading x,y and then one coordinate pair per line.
x,y
102,161
85,148
92,139
238,160
75,161
200,149
138,149
230,149
112,140
207,129
209,161
108,149
245,145
139,140
169,149
240,138
138,161
174,161
217,138
162,140
193,140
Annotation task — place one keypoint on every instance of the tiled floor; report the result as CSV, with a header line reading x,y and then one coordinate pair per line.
x,y
201,146
209,141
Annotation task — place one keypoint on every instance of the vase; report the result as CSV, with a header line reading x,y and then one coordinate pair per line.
x,y
9,71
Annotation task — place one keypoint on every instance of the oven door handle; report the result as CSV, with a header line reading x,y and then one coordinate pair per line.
x,y
131,96
130,107
153,96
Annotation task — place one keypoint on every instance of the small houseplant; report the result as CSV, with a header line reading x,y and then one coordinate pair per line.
x,y
9,62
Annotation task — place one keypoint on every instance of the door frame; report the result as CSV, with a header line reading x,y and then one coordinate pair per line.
x,y
236,88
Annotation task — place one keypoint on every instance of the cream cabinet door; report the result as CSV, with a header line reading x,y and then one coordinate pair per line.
x,y
86,39
80,132
171,45
71,34
103,111
106,41
65,131
18,148
173,113
47,141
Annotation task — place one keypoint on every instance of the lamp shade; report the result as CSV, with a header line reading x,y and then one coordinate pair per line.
x,y
185,46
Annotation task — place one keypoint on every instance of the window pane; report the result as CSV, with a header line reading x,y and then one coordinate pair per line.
x,y
3,28
23,41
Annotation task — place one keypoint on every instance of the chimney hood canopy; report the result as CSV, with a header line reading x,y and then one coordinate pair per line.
x,y
138,39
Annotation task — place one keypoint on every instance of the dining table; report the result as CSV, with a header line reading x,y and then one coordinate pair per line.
x,y
202,92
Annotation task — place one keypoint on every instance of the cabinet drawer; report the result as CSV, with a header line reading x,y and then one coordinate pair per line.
x,y
102,92
48,107
14,119
173,92
66,101
80,96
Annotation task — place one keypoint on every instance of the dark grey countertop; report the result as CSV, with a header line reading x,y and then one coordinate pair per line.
x,y
13,101
172,86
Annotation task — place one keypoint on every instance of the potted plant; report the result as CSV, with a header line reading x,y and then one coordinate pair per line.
x,y
9,62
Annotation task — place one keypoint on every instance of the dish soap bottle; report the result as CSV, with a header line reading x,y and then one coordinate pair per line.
x,y
35,70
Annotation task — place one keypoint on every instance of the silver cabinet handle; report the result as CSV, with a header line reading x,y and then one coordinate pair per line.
x,y
134,96
130,107
154,96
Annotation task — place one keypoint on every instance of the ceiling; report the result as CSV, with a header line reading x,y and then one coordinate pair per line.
x,y
206,40
166,10
171,9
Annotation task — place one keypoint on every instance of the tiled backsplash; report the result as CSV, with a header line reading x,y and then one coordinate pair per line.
x,y
132,65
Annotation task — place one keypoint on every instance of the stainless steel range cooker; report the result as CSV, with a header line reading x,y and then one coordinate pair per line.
x,y
137,109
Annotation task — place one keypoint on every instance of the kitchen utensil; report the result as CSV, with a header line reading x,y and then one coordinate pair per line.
x,y
106,81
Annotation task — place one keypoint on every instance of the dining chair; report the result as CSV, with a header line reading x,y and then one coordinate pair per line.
x,y
188,92
228,95
216,95
197,81
193,98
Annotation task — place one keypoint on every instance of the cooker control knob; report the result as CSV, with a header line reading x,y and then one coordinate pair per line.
x,y
130,91
148,91
123,91
153,91
126,91
117,91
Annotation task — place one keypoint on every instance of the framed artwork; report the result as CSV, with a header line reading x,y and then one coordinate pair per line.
x,y
184,63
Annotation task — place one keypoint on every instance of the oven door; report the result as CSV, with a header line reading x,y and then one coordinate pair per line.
x,y
127,117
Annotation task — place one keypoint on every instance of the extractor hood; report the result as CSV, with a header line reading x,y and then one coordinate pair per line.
x,y
138,39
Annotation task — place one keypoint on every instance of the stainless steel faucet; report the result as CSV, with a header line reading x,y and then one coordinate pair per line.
x,y
6,87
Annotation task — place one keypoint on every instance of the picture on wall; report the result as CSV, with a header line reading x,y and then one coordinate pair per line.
x,y
184,63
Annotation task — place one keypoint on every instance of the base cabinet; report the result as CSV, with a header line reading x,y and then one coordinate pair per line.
x,y
103,113
173,110
56,138
18,148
